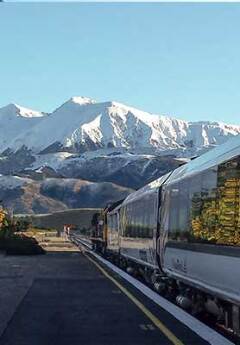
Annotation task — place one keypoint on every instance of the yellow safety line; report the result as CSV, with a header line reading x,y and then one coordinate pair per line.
x,y
145,311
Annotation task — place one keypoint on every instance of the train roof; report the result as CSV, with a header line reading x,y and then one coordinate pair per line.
x,y
150,188
113,205
216,156
115,209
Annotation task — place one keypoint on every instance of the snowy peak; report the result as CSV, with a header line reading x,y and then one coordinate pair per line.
x,y
15,109
82,124
16,121
74,105
76,102
82,100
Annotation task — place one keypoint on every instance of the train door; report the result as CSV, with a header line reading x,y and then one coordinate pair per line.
x,y
158,237
162,224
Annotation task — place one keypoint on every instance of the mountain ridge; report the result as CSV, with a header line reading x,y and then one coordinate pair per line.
x,y
87,153
83,124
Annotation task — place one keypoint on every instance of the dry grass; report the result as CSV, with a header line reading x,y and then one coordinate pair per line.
x,y
50,241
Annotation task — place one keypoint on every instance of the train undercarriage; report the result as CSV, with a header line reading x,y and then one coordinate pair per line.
x,y
217,312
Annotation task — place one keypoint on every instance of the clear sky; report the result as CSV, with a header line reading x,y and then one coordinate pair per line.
x,y
181,60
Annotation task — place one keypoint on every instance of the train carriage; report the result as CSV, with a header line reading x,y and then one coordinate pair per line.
x,y
184,228
139,224
200,227
113,231
200,230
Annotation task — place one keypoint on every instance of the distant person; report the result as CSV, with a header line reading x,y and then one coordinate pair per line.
x,y
65,231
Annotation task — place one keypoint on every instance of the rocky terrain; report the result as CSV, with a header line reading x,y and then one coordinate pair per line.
x,y
87,153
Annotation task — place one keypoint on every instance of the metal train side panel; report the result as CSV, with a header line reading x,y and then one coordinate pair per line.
x,y
113,230
209,271
138,225
200,223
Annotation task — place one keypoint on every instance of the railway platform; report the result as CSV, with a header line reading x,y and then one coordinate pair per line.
x,y
72,298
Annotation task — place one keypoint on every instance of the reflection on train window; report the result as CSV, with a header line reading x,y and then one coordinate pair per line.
x,y
228,188
138,219
205,208
112,221
179,211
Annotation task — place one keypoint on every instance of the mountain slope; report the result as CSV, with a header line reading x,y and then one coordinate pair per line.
x,y
82,124
85,153
24,195
16,120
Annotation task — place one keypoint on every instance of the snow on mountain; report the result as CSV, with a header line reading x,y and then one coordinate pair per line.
x,y
87,153
16,120
119,167
82,124
21,111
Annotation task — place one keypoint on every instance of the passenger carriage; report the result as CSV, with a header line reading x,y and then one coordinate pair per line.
x,y
183,231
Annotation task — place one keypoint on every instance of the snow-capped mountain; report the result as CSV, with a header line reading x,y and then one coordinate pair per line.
x,y
82,124
112,147
16,120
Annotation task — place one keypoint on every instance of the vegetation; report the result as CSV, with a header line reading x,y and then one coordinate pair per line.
x,y
13,237
22,224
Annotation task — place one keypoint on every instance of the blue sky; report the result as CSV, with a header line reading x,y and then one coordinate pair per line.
x,y
181,60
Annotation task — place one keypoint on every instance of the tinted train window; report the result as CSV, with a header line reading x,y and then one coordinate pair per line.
x,y
228,190
184,210
179,219
205,208
174,211
218,218
137,219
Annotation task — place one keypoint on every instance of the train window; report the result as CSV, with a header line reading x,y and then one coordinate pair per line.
x,y
134,219
228,203
109,223
184,210
195,197
215,207
174,201
203,197
145,220
165,213
141,230
153,214
115,222
130,221
126,224
179,217
138,219
123,221
131,217
174,212
209,205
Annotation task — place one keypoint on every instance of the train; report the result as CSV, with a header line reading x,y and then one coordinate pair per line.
x,y
181,233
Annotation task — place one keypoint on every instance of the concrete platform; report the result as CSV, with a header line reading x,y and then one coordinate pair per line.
x,y
63,298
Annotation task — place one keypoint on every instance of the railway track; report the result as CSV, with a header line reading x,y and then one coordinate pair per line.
x,y
214,334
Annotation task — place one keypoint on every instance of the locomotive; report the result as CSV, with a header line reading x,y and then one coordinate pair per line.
x,y
181,232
